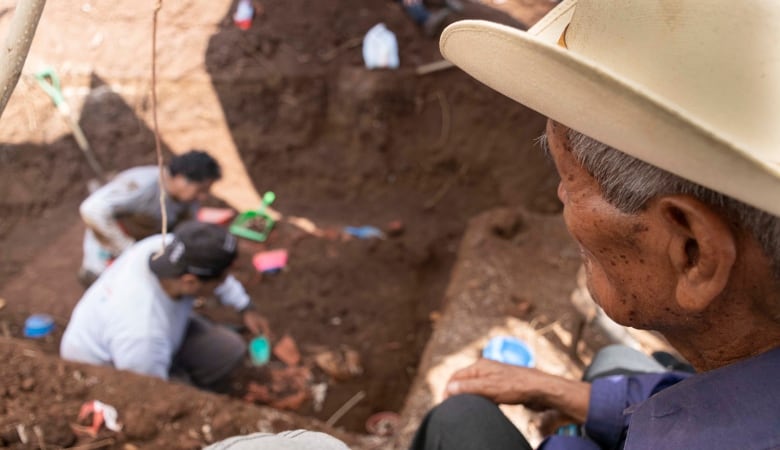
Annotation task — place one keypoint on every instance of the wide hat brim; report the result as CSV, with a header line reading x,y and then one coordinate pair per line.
x,y
536,71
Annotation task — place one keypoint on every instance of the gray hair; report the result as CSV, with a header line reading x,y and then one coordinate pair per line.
x,y
629,184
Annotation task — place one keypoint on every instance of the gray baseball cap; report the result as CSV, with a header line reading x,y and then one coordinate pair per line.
x,y
286,440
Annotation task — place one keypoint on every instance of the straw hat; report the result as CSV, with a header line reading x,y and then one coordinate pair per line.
x,y
692,87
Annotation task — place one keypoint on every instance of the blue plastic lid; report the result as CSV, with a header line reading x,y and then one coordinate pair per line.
x,y
38,325
509,350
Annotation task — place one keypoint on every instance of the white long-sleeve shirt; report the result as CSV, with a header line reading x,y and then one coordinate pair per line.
x,y
125,319
134,193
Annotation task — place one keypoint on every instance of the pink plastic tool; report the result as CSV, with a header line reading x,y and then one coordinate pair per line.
x,y
270,261
219,216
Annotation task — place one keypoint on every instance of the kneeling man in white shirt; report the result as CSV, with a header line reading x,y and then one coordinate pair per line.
x,y
138,315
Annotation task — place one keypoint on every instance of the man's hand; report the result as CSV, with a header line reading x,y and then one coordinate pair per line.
x,y
256,323
501,383
513,385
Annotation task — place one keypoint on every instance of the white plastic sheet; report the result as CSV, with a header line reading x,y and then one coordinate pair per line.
x,y
380,48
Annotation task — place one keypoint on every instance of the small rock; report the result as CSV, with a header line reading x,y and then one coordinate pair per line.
x,y
287,351
206,430
341,365
395,228
28,384
329,363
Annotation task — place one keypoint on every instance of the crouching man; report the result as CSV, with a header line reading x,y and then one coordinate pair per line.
x,y
138,315
127,209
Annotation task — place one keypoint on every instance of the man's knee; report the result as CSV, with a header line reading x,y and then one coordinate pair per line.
x,y
215,352
231,345
468,422
459,409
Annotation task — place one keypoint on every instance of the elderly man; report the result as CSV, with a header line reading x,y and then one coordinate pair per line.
x,y
663,125
138,315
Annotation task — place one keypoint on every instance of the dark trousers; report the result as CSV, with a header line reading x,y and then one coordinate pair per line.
x,y
471,422
208,354
468,422
418,12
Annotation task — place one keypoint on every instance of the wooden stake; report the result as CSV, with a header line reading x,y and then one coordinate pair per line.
x,y
435,66
17,45
345,408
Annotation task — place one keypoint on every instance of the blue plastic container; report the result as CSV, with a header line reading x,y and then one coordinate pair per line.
x,y
38,326
509,350
260,350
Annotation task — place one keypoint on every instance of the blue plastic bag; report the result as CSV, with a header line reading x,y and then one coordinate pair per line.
x,y
365,232
509,350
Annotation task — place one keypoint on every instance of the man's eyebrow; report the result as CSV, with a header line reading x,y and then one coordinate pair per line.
x,y
542,142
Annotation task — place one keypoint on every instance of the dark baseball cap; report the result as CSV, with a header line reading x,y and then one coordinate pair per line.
x,y
198,248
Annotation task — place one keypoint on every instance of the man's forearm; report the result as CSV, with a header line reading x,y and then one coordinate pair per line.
x,y
104,225
570,397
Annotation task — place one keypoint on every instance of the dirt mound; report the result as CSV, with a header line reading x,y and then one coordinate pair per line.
x,y
42,396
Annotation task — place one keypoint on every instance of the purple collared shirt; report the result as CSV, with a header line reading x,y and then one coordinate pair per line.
x,y
734,407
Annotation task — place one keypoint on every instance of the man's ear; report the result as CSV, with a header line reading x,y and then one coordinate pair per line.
x,y
702,249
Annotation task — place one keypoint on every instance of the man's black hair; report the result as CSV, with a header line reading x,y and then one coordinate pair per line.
x,y
195,165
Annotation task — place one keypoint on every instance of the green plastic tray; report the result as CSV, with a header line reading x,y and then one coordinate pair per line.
x,y
240,226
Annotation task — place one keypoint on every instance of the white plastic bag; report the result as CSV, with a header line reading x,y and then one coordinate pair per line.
x,y
380,48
